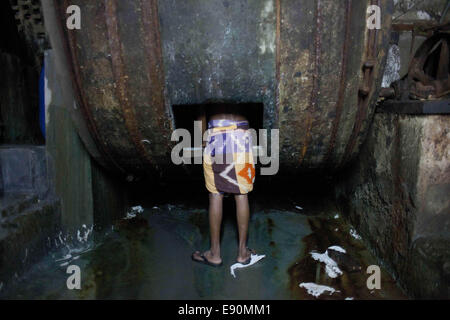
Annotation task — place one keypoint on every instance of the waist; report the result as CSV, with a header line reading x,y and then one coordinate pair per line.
x,y
225,124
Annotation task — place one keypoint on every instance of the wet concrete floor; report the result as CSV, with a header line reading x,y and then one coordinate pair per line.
x,y
148,257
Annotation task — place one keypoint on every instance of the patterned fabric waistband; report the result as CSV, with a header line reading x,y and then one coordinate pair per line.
x,y
228,124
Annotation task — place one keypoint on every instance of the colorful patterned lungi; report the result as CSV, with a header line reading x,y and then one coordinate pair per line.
x,y
228,162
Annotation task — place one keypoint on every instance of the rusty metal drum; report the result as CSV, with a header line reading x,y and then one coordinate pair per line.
x,y
313,64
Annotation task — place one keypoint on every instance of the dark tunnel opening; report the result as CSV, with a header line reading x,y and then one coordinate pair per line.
x,y
189,183
185,115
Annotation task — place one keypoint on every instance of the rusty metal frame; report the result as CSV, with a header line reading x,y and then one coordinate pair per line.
x,y
422,85
120,79
153,48
315,87
343,75
366,89
278,57
70,52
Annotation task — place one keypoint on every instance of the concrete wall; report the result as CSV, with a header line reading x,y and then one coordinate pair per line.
x,y
52,189
88,194
29,210
73,180
397,196
110,197
397,192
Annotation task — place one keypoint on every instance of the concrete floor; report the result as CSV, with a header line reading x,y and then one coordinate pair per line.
x,y
148,257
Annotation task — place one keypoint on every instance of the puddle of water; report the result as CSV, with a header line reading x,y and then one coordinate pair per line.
x,y
148,257
352,284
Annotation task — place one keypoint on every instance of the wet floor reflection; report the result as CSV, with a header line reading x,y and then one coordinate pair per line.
x,y
148,257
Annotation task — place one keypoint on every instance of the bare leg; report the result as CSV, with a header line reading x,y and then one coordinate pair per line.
x,y
215,221
242,214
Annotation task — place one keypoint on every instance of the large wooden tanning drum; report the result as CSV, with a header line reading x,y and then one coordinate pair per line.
x,y
313,65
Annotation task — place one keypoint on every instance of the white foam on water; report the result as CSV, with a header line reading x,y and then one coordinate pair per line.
x,y
316,290
337,248
70,248
354,234
130,215
138,209
331,267
83,234
134,210
66,257
60,238
254,258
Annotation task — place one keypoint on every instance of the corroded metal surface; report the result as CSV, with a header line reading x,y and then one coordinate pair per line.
x,y
218,50
428,76
366,90
329,79
314,66
430,81
118,76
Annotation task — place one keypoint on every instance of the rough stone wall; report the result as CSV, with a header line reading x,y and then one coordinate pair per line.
x,y
396,195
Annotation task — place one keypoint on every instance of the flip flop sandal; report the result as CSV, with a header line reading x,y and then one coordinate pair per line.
x,y
249,258
205,260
